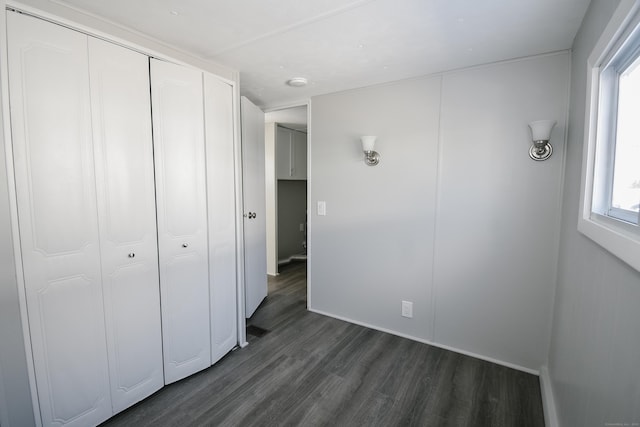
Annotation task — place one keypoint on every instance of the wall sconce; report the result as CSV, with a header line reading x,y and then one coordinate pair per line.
x,y
371,158
541,133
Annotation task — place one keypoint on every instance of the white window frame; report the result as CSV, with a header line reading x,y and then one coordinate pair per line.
x,y
597,220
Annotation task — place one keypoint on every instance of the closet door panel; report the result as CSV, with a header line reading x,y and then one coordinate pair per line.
x,y
121,109
53,158
185,318
222,215
178,129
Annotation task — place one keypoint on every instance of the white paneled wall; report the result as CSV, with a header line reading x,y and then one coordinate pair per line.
x,y
450,217
595,344
374,248
498,212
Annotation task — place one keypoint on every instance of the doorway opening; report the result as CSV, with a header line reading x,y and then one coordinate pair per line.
x,y
286,204
286,187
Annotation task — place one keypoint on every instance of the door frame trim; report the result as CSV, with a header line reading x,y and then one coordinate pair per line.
x,y
303,103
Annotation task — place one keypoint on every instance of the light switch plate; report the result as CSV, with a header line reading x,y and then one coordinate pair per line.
x,y
407,309
322,208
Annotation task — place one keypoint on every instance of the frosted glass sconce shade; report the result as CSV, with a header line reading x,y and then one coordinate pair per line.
x,y
371,157
540,134
541,129
368,142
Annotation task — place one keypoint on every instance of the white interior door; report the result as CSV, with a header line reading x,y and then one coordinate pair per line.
x,y
253,185
221,201
121,109
178,132
55,187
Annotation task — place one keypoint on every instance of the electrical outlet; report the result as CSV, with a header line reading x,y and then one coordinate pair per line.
x,y
407,309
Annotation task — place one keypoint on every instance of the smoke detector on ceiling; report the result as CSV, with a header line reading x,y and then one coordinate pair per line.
x,y
297,82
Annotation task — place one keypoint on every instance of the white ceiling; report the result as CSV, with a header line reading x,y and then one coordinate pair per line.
x,y
343,44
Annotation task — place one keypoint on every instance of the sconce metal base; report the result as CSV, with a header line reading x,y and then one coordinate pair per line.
x,y
371,158
540,152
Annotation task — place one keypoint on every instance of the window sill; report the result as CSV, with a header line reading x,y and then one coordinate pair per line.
x,y
615,240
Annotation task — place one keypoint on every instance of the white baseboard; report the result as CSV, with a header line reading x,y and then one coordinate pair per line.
x,y
435,344
548,402
300,257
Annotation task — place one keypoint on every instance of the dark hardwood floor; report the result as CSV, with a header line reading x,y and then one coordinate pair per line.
x,y
304,369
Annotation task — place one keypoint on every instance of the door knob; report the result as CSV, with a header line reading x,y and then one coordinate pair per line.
x,y
131,255
185,245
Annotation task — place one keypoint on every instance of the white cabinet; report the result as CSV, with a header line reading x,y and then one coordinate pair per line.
x,y
291,154
181,197
283,153
218,106
299,156
121,110
58,221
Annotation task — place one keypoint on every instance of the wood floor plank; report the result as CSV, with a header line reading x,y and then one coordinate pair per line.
x,y
313,370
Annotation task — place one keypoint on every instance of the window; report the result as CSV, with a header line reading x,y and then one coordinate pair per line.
x,y
617,174
610,213
625,182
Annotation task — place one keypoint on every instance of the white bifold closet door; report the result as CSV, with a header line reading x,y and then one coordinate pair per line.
x,y
58,221
121,108
83,157
181,197
218,106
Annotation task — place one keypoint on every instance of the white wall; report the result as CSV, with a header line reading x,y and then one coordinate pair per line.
x,y
462,242
595,347
374,247
498,212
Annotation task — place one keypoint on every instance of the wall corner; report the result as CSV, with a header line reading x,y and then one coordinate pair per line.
x,y
548,402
